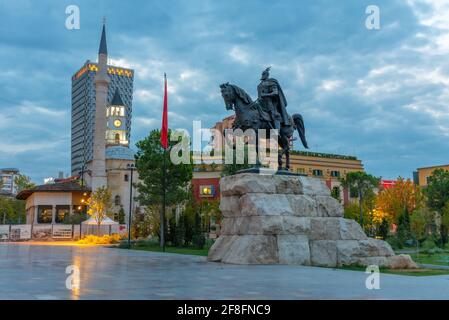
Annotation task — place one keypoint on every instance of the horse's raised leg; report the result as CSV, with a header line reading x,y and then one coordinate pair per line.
x,y
287,159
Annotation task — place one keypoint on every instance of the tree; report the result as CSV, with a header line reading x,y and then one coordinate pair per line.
x,y
120,216
141,223
437,192
363,183
149,164
437,189
23,182
418,225
404,194
99,205
403,231
12,210
336,193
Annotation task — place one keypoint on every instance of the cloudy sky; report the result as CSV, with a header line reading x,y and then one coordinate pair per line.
x,y
381,95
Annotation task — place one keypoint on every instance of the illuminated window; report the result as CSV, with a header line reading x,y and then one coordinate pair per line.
x,y
207,191
300,170
44,214
61,213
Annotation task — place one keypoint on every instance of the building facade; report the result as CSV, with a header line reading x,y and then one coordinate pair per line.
x,y
328,167
7,185
421,175
84,106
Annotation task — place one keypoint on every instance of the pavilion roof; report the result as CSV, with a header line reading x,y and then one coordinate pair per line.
x,y
69,186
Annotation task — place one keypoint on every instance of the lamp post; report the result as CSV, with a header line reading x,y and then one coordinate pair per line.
x,y
130,167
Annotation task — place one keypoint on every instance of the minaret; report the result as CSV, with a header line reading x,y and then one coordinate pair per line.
x,y
101,81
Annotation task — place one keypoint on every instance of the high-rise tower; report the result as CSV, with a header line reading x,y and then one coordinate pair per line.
x,y
84,105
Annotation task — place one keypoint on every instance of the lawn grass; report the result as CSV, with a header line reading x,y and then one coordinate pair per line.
x,y
169,249
441,259
403,272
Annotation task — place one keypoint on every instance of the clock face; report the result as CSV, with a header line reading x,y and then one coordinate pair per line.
x,y
117,123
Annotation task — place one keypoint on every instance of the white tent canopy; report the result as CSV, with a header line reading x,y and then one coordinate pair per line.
x,y
105,222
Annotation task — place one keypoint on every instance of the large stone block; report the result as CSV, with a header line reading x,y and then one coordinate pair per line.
x,y
258,204
302,205
252,249
314,187
246,183
351,230
220,247
348,252
293,249
230,206
269,225
332,228
328,207
375,247
402,261
323,253
324,229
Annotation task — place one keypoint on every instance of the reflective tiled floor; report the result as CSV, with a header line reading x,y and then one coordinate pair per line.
x,y
39,272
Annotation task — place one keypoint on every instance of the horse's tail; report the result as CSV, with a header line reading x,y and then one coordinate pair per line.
x,y
299,123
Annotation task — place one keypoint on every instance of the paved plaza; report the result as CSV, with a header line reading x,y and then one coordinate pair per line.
x,y
39,272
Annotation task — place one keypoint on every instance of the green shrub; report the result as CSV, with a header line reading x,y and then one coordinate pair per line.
x,y
199,240
428,244
209,243
394,242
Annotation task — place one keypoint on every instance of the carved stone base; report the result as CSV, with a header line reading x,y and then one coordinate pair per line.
x,y
289,219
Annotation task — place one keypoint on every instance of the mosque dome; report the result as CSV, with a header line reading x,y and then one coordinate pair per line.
x,y
119,152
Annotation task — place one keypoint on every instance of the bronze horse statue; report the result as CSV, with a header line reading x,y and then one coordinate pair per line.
x,y
249,114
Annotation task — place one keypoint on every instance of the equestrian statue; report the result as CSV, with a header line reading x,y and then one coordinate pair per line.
x,y
266,113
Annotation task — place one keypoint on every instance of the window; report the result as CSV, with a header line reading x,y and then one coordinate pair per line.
x,y
117,138
126,177
317,172
335,174
207,191
61,213
300,170
117,200
44,214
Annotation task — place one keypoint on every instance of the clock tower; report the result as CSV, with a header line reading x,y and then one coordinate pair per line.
x,y
116,122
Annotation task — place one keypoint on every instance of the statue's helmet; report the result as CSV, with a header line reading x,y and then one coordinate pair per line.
x,y
265,73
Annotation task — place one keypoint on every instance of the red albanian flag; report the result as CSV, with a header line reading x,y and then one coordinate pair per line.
x,y
164,130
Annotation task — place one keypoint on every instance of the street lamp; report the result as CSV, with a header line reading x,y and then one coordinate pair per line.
x,y
130,167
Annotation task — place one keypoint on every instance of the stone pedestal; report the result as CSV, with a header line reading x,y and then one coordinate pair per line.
x,y
281,219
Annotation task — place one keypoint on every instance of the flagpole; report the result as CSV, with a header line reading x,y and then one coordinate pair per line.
x,y
164,202
164,171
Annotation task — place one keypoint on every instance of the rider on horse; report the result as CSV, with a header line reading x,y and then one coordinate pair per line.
x,y
272,101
